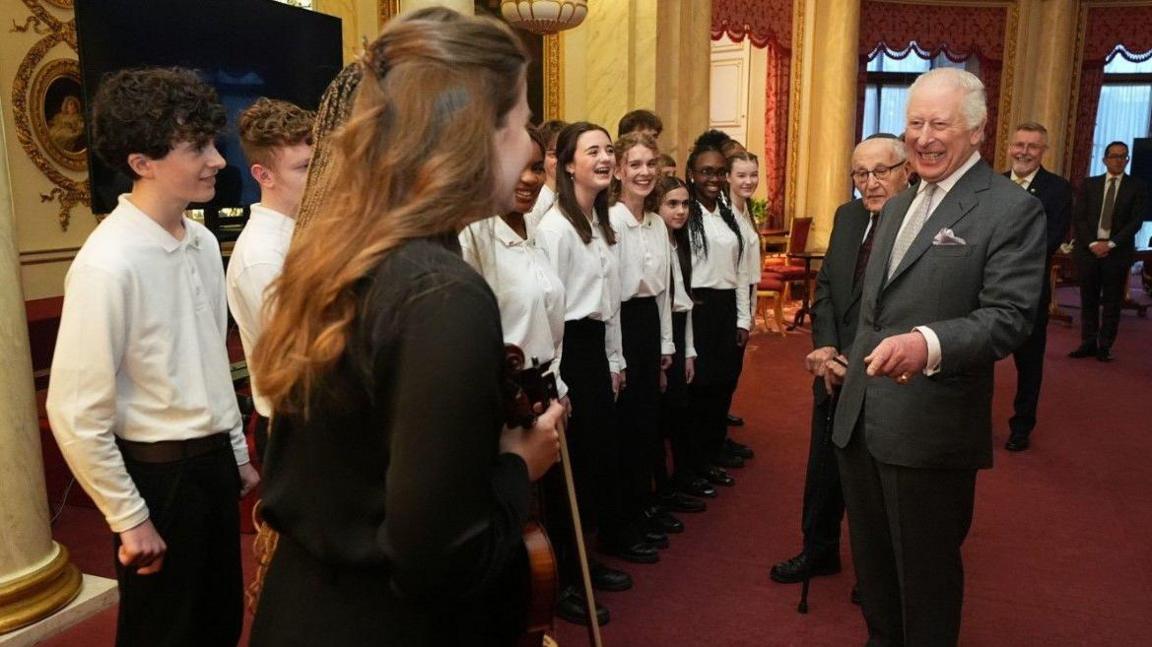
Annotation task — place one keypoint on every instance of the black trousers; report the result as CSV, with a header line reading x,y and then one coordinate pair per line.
x,y
717,366
1029,359
593,445
1102,282
739,367
907,526
675,424
823,495
638,407
197,597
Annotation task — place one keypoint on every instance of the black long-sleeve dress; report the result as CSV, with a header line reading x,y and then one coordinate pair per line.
x,y
400,521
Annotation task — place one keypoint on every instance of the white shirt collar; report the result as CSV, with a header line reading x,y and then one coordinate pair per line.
x,y
947,183
1027,179
152,229
505,233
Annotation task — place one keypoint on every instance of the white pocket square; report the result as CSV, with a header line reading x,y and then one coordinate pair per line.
x,y
948,237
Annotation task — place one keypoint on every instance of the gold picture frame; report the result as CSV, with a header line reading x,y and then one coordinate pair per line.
x,y
63,4
57,115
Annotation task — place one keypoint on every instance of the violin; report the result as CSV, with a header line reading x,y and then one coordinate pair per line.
x,y
527,389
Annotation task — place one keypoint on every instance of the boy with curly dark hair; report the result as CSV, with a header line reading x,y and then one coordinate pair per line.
x,y
277,140
140,396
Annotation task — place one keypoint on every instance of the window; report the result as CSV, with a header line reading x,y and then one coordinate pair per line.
x,y
888,80
1125,110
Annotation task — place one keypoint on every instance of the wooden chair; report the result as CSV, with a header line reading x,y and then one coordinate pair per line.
x,y
772,287
786,266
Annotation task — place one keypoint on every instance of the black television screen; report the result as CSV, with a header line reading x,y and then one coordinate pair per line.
x,y
244,48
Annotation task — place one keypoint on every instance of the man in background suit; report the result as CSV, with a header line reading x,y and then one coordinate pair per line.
x,y
952,285
879,171
1106,220
1029,143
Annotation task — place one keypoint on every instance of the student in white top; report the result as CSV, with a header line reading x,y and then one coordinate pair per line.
x,y
140,397
645,324
578,241
548,131
743,179
528,291
670,200
276,137
721,318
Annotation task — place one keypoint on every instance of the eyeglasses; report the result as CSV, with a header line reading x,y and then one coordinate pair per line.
x,y
880,173
1116,157
711,173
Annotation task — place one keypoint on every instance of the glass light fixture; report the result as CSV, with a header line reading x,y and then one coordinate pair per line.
x,y
544,16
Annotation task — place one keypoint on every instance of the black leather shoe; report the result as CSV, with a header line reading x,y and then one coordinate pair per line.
x,y
739,450
654,518
856,594
608,579
638,553
1104,355
794,570
655,538
573,608
1085,350
735,421
680,502
717,476
697,486
725,460
1017,443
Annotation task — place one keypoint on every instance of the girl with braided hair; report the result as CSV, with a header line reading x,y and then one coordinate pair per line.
x,y
722,316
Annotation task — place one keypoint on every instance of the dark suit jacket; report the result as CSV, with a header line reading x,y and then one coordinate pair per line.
x,y
1055,193
979,298
837,306
1127,217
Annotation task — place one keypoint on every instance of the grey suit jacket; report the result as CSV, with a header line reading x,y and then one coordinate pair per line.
x,y
979,298
836,307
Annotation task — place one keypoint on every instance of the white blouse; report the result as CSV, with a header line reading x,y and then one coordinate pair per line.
x,y
544,201
643,252
722,268
528,291
681,302
590,276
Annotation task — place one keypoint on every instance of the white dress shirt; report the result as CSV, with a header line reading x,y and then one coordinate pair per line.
x,y
590,276
752,260
544,201
528,291
722,268
257,259
681,302
643,252
141,353
942,189
1025,181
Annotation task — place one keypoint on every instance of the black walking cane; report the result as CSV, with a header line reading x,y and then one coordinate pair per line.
x,y
824,440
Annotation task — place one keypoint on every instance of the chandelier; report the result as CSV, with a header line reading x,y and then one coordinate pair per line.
x,y
544,16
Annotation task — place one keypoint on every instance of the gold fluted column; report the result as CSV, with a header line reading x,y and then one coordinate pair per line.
x,y
828,73
36,577
463,6
683,73
1044,76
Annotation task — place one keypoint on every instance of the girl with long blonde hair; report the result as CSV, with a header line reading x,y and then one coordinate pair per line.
x,y
398,494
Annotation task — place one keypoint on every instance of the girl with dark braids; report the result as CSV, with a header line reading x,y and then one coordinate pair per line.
x,y
722,316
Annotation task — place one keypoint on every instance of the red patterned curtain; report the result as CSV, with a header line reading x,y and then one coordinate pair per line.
x,y
1107,29
957,32
767,24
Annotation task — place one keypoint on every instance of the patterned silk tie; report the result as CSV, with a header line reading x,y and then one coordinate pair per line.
x,y
1020,182
911,228
1109,205
865,251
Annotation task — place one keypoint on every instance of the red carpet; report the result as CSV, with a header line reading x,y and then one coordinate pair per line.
x,y
1060,552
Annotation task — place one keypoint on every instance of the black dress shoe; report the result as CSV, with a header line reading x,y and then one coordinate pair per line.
x,y
680,502
1017,443
735,421
655,538
608,579
740,450
697,486
572,607
655,518
794,570
717,476
856,594
1104,355
639,553
1085,350
725,460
